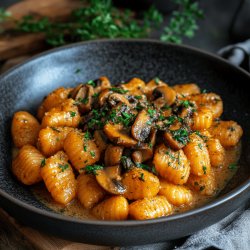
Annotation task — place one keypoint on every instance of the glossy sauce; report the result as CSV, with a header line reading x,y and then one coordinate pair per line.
x,y
223,175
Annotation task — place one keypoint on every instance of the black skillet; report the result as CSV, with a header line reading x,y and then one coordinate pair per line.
x,y
23,88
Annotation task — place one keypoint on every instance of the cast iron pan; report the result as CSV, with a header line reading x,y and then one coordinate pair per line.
x,y
23,88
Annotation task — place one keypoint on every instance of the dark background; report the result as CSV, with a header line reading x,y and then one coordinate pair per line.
x,y
214,28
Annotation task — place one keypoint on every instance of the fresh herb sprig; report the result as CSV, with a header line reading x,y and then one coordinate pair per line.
x,y
183,22
100,19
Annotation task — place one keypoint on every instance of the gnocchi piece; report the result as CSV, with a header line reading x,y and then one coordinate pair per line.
x,y
171,165
51,139
228,132
81,149
64,115
114,208
216,152
88,190
202,119
205,185
211,101
151,85
24,129
150,208
54,99
140,183
59,178
176,194
198,156
135,86
26,165
186,89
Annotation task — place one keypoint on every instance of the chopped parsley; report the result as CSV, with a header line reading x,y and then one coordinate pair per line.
x,y
92,153
72,113
204,91
149,123
43,162
204,168
151,112
92,83
170,120
138,97
142,177
119,90
63,167
180,135
85,148
150,144
186,103
232,166
170,155
157,80
83,100
91,169
200,145
166,107
95,95
87,136
55,129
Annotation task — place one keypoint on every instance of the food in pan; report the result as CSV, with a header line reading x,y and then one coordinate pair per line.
x,y
133,150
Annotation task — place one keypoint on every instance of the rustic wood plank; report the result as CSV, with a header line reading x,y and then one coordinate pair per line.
x,y
12,62
42,241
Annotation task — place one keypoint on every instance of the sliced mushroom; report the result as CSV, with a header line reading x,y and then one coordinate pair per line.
x,y
145,151
83,94
113,155
103,97
101,84
109,179
116,98
151,85
135,86
118,135
165,92
101,140
127,163
142,126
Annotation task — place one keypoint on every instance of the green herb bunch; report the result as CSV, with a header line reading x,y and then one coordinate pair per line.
x,y
100,19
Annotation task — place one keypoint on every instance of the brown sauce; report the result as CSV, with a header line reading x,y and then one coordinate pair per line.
x,y
223,175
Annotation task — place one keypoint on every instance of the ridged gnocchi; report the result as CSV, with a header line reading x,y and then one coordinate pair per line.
x,y
24,129
89,192
171,165
150,208
114,208
26,165
198,156
140,183
176,194
59,178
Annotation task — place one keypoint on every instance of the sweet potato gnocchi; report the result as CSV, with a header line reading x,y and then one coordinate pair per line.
x,y
134,150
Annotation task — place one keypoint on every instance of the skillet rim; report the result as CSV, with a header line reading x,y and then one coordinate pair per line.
x,y
52,215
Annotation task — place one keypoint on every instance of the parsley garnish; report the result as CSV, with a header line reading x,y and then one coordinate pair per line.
x,y
157,80
85,148
72,113
180,135
91,169
92,153
170,120
200,145
43,162
232,166
138,97
87,136
55,129
142,177
204,168
95,95
186,103
151,112
83,100
150,144
63,167
92,83
119,90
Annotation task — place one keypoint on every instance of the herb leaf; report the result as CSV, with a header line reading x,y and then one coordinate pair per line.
x,y
91,169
